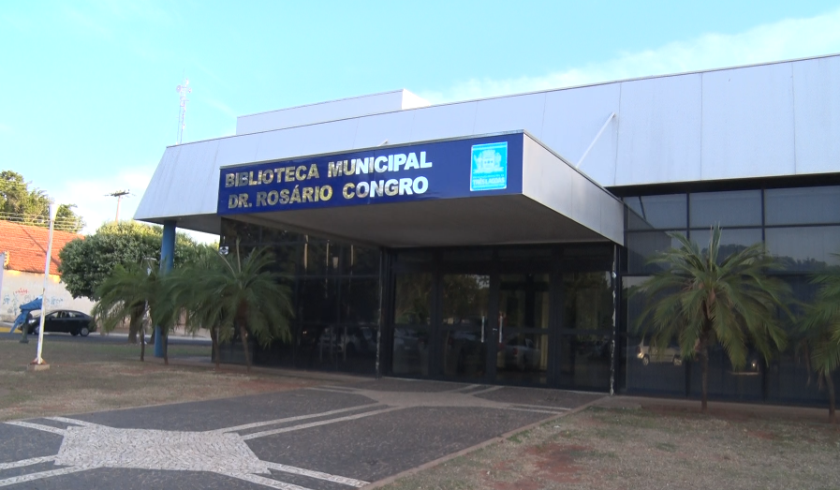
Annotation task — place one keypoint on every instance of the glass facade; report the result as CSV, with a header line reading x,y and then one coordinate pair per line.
x,y
335,292
799,226
542,315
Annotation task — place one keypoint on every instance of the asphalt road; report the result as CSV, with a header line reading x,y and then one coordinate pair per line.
x,y
97,338
324,438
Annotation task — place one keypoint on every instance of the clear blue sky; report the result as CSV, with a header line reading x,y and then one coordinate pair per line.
x,y
87,89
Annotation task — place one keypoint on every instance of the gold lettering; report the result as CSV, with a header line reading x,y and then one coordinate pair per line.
x,y
290,174
347,192
284,196
295,195
306,195
279,173
326,193
392,187
233,201
300,173
243,201
272,198
261,198
230,181
251,180
267,176
334,169
313,172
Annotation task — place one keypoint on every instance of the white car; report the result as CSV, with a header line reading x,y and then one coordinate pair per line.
x,y
670,354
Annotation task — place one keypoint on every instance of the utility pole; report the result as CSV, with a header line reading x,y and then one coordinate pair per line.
x,y
182,90
119,195
39,364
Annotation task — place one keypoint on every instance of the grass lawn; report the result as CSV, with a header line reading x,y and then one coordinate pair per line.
x,y
92,376
649,448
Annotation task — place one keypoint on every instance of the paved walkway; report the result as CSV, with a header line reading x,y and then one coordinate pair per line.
x,y
324,438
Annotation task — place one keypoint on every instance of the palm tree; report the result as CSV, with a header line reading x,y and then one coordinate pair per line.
x,y
235,295
132,293
197,303
820,327
701,300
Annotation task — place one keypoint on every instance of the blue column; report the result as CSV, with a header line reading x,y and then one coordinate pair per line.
x,y
167,258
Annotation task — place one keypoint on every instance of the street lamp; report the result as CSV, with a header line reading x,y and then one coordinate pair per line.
x,y
39,364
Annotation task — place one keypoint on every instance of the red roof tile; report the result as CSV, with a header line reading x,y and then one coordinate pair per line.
x,y
26,246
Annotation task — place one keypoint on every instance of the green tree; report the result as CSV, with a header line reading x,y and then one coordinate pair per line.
x,y
135,293
820,328
198,304
701,299
28,206
86,263
235,295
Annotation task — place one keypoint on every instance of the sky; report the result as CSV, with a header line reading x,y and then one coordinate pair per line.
x,y
88,99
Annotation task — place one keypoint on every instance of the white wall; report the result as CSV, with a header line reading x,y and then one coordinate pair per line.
x,y
749,122
23,287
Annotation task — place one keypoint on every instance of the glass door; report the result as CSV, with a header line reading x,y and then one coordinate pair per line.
x,y
464,329
522,337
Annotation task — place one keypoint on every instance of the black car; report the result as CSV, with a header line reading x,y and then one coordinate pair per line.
x,y
65,321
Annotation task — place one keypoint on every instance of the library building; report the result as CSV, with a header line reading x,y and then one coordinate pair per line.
x,y
494,240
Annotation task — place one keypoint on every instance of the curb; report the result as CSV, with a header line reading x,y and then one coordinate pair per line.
x,y
480,445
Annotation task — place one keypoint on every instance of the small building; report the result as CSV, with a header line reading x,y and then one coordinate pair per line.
x,y
24,249
492,240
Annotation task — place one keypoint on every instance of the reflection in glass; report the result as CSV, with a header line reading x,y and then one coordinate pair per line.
x,y
808,205
465,325
412,317
523,357
523,300
465,298
657,212
804,248
413,299
588,301
585,361
411,351
641,246
731,208
731,240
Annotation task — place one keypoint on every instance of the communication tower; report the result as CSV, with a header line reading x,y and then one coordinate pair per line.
x,y
182,90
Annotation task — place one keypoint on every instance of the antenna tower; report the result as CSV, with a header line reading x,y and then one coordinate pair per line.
x,y
182,90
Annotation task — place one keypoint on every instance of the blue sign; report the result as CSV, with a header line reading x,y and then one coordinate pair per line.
x,y
489,166
423,171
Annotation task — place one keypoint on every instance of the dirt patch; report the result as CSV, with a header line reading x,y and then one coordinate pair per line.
x,y
87,377
650,447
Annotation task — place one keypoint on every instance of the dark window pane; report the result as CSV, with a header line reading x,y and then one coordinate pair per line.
x,y
523,358
585,361
523,300
411,261
588,301
803,205
641,246
412,305
804,248
317,301
411,351
735,208
359,260
286,258
657,211
731,240
359,300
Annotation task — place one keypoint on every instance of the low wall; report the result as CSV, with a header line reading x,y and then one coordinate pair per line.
x,y
21,287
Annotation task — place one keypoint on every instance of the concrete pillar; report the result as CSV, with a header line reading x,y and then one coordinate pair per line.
x,y
167,258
